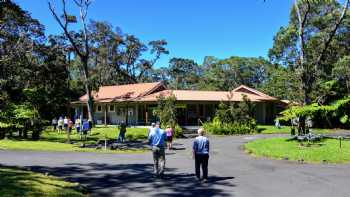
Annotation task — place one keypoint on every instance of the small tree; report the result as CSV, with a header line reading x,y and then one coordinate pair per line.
x,y
166,112
233,118
235,111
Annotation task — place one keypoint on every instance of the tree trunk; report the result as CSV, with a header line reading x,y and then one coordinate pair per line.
x,y
127,115
90,104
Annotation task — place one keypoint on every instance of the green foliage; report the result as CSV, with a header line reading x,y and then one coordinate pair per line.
x,y
340,108
166,112
217,74
183,73
216,127
233,118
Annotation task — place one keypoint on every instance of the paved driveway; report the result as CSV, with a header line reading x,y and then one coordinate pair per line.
x,y
232,172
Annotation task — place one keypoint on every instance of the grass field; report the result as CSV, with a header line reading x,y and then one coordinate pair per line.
x,y
279,148
17,182
52,141
270,129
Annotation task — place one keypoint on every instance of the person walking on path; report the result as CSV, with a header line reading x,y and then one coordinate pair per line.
x,y
169,137
156,139
153,125
122,132
201,154
54,123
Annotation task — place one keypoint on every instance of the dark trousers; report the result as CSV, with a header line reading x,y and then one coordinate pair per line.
x,y
201,160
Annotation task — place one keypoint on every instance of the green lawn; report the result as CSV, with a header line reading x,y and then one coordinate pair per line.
x,y
270,129
17,182
52,141
280,148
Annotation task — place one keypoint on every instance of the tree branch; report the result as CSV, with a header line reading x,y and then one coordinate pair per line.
x,y
64,26
332,33
302,22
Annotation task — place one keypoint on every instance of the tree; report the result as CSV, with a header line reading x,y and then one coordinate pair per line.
x,y
183,73
118,58
166,112
234,71
80,47
282,83
312,42
33,75
341,72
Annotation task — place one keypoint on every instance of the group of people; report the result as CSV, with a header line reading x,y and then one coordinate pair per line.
x,y
66,124
158,140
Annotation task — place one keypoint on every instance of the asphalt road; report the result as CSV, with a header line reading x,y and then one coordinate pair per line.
x,y
232,172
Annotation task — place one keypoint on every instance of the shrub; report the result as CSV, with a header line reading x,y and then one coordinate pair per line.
x,y
217,128
233,118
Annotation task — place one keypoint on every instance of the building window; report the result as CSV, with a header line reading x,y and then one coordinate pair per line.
x,y
99,108
111,108
119,111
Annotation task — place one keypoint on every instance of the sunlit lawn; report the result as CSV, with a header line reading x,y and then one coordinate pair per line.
x,y
17,182
52,141
271,129
279,148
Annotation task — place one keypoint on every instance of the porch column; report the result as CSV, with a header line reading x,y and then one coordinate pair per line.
x,y
146,115
137,114
105,115
197,112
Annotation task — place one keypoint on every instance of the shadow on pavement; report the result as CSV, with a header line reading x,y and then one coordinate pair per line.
x,y
121,179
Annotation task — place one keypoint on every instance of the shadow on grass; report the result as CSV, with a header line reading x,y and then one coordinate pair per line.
x,y
108,180
18,182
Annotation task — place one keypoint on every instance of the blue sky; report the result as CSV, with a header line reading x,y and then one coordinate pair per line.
x,y
193,28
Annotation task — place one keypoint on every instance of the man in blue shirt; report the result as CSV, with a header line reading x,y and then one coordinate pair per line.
x,y
201,154
157,139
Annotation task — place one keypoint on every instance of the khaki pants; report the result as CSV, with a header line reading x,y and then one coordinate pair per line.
x,y
159,160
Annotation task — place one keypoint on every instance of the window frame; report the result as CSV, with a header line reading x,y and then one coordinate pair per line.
x,y
97,108
109,108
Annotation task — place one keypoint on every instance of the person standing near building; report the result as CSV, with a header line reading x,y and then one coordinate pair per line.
x,y
122,132
65,123
54,123
169,137
60,124
156,139
70,125
201,154
85,129
77,125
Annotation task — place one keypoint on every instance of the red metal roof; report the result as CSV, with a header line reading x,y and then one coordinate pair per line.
x,y
149,92
119,93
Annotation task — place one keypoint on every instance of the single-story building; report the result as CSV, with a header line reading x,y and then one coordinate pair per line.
x,y
134,103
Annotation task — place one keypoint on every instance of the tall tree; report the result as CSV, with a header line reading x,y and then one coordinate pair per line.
x,y
231,72
120,58
312,42
183,73
80,47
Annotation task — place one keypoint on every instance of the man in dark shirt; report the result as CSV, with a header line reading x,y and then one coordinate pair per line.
x,y
201,154
122,132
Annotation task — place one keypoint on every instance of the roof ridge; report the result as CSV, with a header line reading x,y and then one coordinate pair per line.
x,y
131,84
257,92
